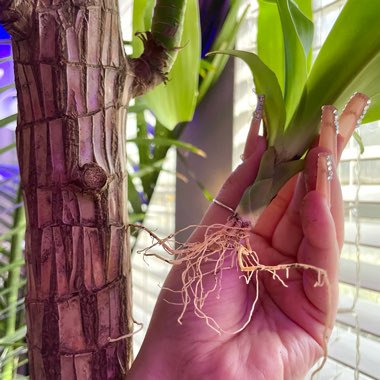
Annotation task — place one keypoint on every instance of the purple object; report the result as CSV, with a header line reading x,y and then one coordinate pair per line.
x,y
213,14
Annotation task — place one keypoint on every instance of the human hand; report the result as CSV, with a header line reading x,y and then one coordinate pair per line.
x,y
301,228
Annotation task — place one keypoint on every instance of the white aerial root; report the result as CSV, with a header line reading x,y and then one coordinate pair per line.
x,y
224,247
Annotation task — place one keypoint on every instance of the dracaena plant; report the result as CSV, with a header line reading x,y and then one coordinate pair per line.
x,y
295,90
209,25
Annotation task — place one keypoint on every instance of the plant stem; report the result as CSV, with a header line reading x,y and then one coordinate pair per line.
x,y
14,283
167,25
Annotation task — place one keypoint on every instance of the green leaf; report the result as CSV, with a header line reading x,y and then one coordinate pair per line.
x,y
352,45
283,172
175,102
373,113
367,81
266,83
135,218
303,25
145,170
7,120
347,62
7,148
7,87
359,140
298,35
133,197
168,142
10,232
258,195
14,337
270,178
270,40
142,21
306,7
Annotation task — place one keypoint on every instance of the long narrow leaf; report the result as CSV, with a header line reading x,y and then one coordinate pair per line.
x,y
270,40
14,337
133,197
7,120
8,234
349,52
368,82
7,148
169,142
13,265
266,83
298,35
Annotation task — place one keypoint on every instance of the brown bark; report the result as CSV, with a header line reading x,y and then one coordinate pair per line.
x,y
73,84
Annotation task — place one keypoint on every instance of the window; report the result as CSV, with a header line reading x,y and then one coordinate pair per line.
x,y
355,345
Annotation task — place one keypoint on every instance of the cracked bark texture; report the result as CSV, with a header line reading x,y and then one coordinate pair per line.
x,y
73,84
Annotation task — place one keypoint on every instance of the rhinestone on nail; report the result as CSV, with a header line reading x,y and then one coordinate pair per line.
x,y
361,117
259,108
329,164
336,121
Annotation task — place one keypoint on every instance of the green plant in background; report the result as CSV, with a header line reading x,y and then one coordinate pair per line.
x,y
174,104
295,90
12,324
12,228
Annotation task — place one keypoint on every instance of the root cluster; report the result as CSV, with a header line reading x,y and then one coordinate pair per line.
x,y
224,247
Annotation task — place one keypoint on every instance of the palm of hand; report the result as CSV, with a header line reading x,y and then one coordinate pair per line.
x,y
289,327
285,334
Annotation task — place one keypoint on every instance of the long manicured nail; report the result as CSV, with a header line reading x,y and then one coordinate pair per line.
x,y
329,127
352,115
325,173
254,128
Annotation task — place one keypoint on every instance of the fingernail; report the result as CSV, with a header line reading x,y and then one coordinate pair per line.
x,y
352,115
258,114
325,175
329,128
254,128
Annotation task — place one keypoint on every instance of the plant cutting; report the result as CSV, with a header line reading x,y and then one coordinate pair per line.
x,y
291,118
255,301
289,106
295,90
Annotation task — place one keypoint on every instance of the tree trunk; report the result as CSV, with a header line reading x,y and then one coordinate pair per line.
x,y
70,74
73,85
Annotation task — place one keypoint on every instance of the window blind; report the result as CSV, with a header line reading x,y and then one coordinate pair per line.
x,y
354,348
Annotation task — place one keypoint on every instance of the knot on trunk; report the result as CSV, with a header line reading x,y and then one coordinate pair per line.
x,y
93,177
